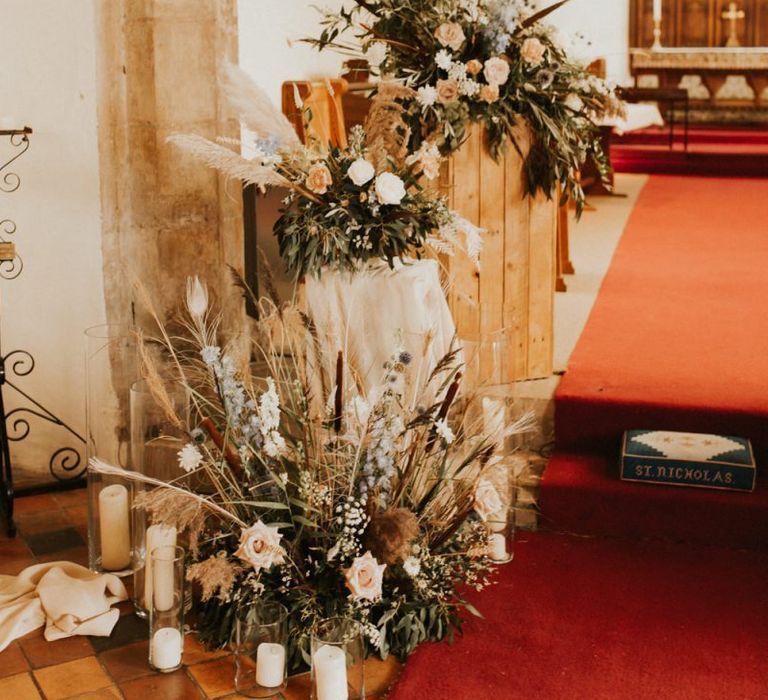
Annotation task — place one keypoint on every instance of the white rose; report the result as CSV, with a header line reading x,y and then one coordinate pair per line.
x,y
260,546
496,71
487,499
390,189
361,171
365,576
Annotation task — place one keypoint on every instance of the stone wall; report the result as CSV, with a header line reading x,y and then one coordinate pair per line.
x,y
165,216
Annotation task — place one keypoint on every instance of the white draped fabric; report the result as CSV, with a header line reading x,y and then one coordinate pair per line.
x,y
65,597
368,315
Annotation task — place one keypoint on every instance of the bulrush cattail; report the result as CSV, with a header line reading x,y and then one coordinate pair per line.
x,y
389,535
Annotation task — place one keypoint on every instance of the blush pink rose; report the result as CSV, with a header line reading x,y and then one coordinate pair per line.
x,y
496,71
451,35
319,179
447,91
260,546
533,51
365,577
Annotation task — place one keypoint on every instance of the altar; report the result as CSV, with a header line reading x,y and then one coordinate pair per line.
x,y
714,76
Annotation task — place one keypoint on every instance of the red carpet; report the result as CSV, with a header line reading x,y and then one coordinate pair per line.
x,y
604,619
678,339
721,152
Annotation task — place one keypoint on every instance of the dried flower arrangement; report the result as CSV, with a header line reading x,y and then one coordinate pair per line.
x,y
344,207
370,507
490,61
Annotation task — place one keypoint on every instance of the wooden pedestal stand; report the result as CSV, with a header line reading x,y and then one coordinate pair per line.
x,y
515,286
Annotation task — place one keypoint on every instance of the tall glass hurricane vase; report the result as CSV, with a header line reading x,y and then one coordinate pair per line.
x,y
156,439
110,367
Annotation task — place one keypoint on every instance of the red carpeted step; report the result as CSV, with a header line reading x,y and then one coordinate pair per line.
x,y
607,620
582,494
677,340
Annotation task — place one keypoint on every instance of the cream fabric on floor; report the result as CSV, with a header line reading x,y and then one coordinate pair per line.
x,y
362,314
65,597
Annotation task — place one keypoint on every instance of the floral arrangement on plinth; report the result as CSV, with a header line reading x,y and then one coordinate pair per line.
x,y
335,504
344,207
490,61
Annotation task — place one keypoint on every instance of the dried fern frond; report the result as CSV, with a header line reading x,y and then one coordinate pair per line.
x,y
255,109
387,133
228,162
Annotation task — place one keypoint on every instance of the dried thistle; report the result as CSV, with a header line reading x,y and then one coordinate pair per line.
x,y
215,575
389,534
387,133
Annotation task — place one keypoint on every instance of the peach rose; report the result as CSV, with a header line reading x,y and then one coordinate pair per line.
x,y
260,546
496,71
319,179
365,577
487,499
474,66
489,93
447,91
533,51
451,35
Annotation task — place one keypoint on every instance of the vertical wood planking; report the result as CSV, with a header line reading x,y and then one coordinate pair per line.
x,y
515,283
542,269
465,198
514,289
492,220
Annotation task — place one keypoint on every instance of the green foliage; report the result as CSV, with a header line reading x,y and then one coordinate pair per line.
x,y
559,100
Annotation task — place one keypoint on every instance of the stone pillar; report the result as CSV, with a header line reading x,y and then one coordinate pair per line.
x,y
164,215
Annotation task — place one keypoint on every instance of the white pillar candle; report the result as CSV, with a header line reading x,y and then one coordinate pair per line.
x,y
158,536
656,10
165,650
498,521
7,123
115,528
163,584
270,664
497,546
330,667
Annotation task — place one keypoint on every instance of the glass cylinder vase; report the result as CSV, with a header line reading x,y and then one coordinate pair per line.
x,y
259,643
337,657
166,611
110,366
157,436
501,524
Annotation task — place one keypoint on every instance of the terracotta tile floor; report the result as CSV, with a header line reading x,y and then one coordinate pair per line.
x,y
53,527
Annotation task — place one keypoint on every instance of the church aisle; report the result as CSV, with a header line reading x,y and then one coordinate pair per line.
x,y
606,619
678,340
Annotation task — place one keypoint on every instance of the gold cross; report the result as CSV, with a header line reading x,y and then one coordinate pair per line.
x,y
733,15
